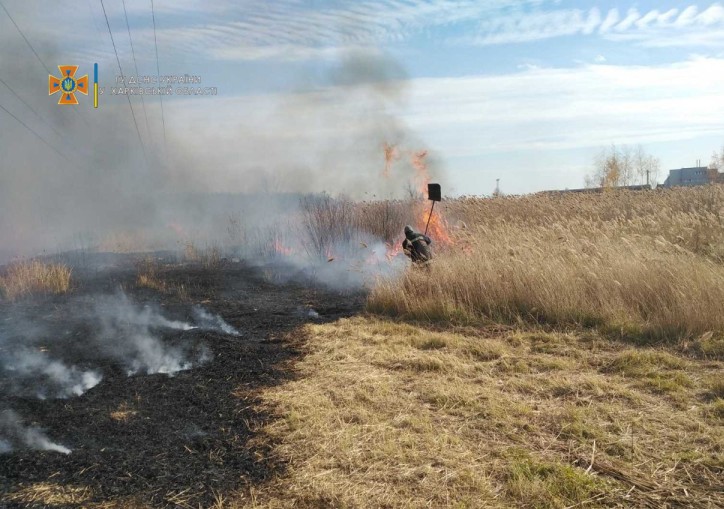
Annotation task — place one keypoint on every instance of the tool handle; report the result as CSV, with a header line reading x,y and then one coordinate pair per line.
x,y
429,217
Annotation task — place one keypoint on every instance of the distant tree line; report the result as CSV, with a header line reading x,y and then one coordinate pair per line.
x,y
628,166
623,166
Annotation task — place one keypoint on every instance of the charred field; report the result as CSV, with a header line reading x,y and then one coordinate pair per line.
x,y
141,435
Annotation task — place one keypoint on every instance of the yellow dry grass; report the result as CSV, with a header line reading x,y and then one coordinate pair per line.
x,y
385,414
45,494
34,277
149,276
124,413
209,258
645,266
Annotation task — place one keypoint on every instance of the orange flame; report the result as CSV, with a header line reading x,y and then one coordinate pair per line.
x,y
393,250
438,228
281,249
178,230
391,155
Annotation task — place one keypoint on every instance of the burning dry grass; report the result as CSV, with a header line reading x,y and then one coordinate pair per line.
x,y
208,258
34,277
391,415
640,266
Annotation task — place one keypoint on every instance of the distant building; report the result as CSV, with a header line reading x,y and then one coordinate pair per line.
x,y
696,176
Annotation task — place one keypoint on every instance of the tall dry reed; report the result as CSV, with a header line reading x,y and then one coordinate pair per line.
x,y
645,266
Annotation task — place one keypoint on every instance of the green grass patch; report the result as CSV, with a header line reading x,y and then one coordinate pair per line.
x,y
541,484
716,409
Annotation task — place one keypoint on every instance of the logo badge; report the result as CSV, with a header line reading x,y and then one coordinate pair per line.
x,y
67,85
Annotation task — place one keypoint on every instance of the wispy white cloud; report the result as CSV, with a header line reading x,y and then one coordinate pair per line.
x,y
292,30
611,19
674,27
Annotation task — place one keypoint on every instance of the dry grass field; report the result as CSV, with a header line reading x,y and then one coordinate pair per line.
x,y
566,351
387,414
644,267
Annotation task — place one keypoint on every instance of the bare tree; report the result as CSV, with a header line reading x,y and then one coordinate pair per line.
x,y
717,160
647,167
622,166
607,170
327,222
412,192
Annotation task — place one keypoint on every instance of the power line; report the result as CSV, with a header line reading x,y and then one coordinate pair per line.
x,y
62,137
124,81
158,73
135,65
26,39
36,134
49,124
35,52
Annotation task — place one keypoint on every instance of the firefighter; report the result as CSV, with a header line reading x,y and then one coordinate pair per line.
x,y
417,246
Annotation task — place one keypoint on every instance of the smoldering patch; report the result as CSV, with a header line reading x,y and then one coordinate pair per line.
x,y
14,434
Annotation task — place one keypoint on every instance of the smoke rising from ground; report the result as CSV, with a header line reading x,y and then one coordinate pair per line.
x,y
37,362
108,193
206,320
113,329
50,378
128,333
14,434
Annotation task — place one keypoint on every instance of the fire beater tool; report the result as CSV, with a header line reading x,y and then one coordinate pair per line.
x,y
434,193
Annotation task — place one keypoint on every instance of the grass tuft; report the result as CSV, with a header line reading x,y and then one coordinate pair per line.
x,y
537,483
34,278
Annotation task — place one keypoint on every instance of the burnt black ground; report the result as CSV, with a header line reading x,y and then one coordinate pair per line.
x,y
195,433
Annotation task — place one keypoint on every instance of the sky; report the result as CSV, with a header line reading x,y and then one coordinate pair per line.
x,y
525,91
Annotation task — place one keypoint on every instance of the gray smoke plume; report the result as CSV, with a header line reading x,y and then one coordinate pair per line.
x,y
51,378
109,192
206,320
28,368
129,334
137,337
14,434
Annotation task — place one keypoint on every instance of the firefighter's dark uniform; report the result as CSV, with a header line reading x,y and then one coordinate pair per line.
x,y
417,246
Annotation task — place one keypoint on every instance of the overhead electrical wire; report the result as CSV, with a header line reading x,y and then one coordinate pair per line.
x,y
158,73
135,65
133,114
45,66
25,39
17,96
26,126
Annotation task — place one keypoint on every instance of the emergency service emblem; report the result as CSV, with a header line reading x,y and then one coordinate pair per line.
x,y
67,84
